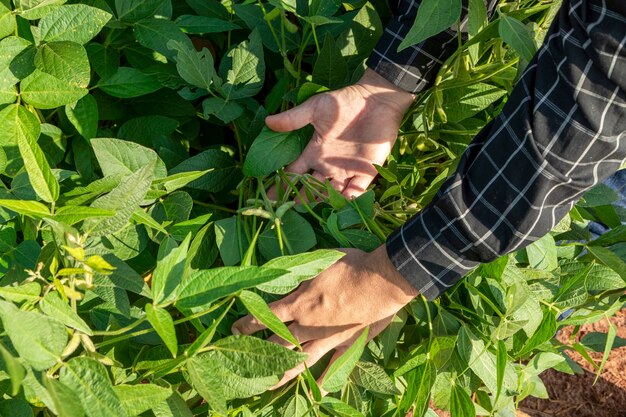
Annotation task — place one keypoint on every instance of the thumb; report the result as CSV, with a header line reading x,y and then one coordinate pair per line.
x,y
292,119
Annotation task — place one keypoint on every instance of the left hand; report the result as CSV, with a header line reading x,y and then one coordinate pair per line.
x,y
332,310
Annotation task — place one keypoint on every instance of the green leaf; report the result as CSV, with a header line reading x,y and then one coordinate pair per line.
x,y
221,167
206,286
197,68
542,253
129,82
362,36
339,371
180,180
373,378
39,173
609,258
174,406
7,21
45,91
433,17
243,67
134,10
123,199
75,22
296,406
300,268
169,271
32,209
207,382
162,322
202,24
251,357
597,341
477,17
517,35
15,407
66,61
65,400
140,398
261,311
296,233
461,404
53,305
71,215
84,116
339,408
104,60
117,156
157,33
545,332
330,68
38,339
273,150
13,367
28,291
463,102
226,111
90,382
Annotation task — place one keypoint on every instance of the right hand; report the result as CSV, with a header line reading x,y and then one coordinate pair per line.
x,y
355,127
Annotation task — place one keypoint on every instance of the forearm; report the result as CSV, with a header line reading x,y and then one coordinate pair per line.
x,y
561,132
415,68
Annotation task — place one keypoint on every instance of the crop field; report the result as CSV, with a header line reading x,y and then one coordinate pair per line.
x,y
145,207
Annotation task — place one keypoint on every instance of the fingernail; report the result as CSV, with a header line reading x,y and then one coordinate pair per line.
x,y
235,331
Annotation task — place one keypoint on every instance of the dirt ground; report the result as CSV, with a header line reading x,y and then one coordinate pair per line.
x,y
576,395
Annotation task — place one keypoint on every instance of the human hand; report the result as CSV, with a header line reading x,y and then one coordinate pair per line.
x,y
355,127
332,310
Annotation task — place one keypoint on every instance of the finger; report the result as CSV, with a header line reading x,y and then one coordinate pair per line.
x,y
339,184
249,324
315,350
292,119
299,166
319,176
357,185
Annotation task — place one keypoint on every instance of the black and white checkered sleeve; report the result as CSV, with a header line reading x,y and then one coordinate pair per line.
x,y
562,131
414,69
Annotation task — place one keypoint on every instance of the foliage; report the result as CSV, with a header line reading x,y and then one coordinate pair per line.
x,y
135,225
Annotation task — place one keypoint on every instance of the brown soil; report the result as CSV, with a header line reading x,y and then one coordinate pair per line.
x,y
576,395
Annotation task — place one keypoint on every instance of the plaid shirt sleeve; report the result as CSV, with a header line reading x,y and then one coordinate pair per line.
x,y
562,131
414,69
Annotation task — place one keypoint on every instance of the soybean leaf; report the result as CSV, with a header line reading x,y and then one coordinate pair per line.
x,y
461,404
197,68
476,17
7,21
516,34
463,102
300,268
202,24
597,341
74,22
84,116
38,339
206,286
243,68
139,398
53,306
296,406
32,209
226,111
330,68
15,407
13,367
542,253
261,311
129,82
373,378
339,371
220,165
105,60
71,215
90,382
296,233
117,156
176,181
273,150
45,91
65,400
28,291
123,199
174,406
162,322
39,173
66,61
339,408
359,40
134,10
157,33
169,271
609,258
204,379
252,357
433,17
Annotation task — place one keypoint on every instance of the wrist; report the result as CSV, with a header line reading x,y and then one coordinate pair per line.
x,y
379,259
381,89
